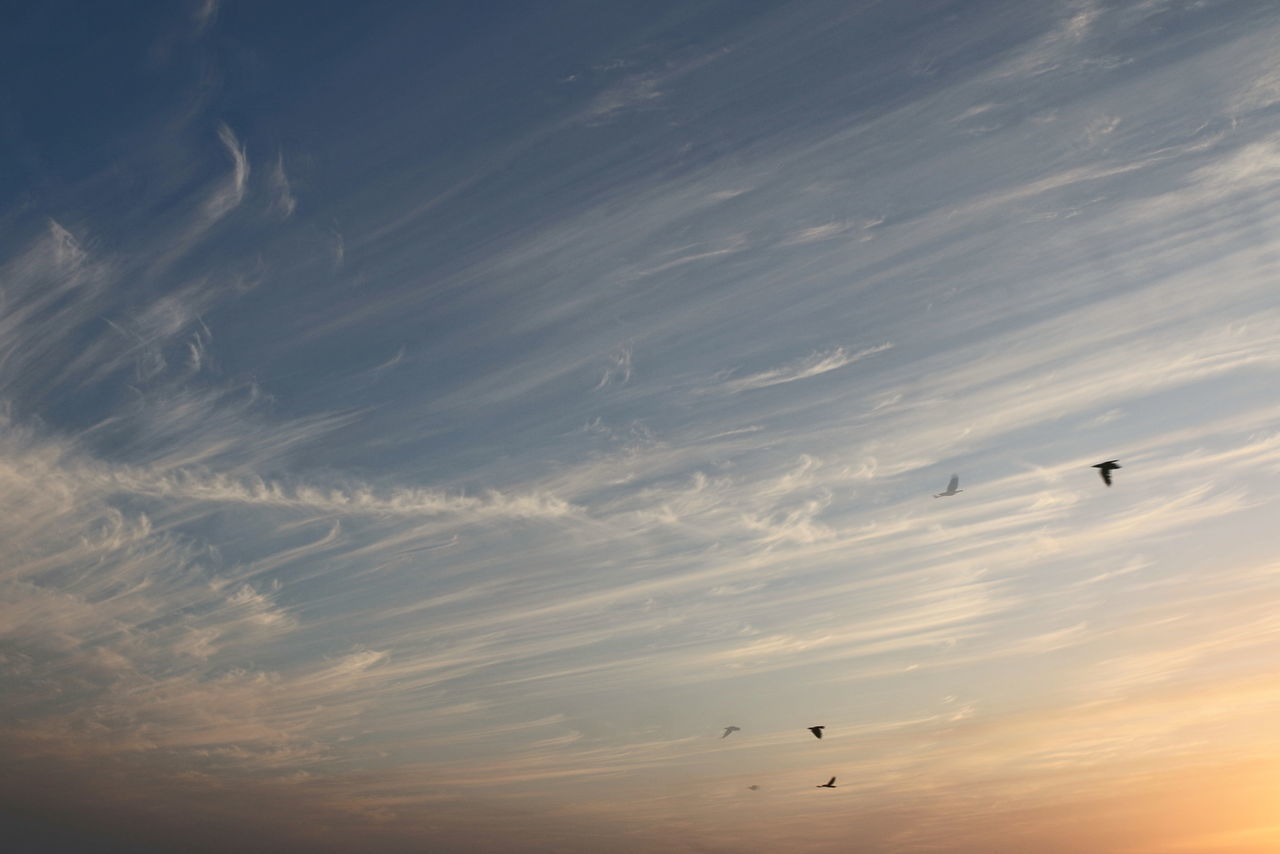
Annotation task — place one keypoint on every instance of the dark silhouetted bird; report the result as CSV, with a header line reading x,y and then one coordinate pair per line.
x,y
830,784
753,788
951,487
1105,469
730,730
817,731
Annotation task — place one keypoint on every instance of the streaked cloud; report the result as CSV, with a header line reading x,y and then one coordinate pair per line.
x,y
813,365
283,202
232,192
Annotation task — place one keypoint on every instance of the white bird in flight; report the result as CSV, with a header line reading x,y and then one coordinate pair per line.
x,y
951,487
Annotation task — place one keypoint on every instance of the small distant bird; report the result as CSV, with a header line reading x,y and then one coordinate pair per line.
x,y
1105,469
830,784
951,487
730,730
817,731
753,788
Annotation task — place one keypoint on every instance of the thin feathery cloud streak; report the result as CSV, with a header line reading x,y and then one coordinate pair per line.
x,y
811,366
283,202
232,193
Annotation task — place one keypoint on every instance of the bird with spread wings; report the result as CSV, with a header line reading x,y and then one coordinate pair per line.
x,y
951,487
1105,469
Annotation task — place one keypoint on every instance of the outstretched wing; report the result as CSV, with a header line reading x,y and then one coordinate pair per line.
x,y
831,782
955,481
1106,475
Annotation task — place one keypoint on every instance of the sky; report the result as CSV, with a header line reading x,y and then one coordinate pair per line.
x,y
427,426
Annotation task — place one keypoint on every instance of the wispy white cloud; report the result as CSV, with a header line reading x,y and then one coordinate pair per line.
x,y
1060,45
395,360
642,89
735,243
66,249
635,92
400,502
815,233
815,364
337,248
206,13
226,198
619,370
283,202
198,357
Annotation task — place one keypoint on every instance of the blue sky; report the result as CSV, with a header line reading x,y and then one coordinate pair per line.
x,y
431,424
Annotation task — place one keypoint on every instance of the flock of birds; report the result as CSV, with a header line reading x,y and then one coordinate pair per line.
x,y
816,730
1104,468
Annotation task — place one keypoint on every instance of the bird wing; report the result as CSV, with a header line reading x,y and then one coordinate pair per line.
x,y
1106,475
955,481
831,782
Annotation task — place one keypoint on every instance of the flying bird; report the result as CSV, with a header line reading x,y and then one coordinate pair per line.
x,y
951,487
817,731
1105,469
730,730
830,784
753,788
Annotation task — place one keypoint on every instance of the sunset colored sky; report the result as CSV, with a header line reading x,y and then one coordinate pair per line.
x,y
427,426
